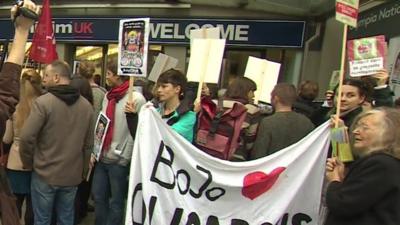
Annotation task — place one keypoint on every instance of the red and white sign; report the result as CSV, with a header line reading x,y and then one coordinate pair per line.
x,y
347,12
366,55
172,182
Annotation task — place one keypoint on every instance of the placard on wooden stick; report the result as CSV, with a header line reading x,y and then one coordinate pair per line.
x,y
265,74
162,64
205,60
347,11
133,47
205,33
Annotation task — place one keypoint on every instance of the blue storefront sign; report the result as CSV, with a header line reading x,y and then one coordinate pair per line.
x,y
251,33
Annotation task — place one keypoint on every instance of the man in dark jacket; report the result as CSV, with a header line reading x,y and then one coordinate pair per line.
x,y
284,127
11,70
57,138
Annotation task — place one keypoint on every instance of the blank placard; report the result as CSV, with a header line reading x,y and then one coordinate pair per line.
x,y
205,33
265,74
205,60
162,64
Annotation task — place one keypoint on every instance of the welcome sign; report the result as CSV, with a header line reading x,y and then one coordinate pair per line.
x,y
172,182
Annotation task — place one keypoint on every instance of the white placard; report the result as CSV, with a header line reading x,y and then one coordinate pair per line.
x,y
205,33
265,74
162,64
365,67
206,60
133,47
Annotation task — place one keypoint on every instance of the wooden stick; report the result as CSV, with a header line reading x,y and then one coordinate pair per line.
x,y
26,62
335,152
88,174
130,90
339,91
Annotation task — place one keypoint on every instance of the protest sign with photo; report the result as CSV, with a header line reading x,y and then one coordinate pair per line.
x,y
173,182
265,74
99,134
133,47
366,55
76,67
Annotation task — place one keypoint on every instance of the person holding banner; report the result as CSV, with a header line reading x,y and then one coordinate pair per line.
x,y
170,92
110,179
369,191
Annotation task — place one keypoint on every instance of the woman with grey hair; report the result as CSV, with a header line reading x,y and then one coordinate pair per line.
x,y
369,191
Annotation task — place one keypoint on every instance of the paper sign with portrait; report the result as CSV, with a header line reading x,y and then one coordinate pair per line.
x,y
133,47
100,133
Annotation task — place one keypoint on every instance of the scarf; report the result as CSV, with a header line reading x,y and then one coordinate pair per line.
x,y
113,96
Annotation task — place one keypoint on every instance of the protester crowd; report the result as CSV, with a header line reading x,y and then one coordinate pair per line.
x,y
47,127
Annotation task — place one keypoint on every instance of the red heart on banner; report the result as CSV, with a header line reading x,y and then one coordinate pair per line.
x,y
257,183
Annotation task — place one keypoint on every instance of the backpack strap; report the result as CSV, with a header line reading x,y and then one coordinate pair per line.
x,y
215,123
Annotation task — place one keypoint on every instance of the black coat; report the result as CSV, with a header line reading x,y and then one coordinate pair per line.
x,y
369,194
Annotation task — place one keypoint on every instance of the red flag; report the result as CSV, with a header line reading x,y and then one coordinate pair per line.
x,y
43,47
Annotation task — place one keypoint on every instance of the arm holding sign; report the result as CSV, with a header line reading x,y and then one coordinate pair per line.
x,y
382,94
131,117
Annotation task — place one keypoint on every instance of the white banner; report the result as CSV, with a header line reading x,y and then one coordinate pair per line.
x,y
174,183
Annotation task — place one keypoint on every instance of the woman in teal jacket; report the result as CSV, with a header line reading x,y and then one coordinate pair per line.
x,y
174,110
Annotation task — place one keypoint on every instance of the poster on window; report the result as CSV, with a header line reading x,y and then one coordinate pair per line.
x,y
133,47
100,133
366,55
394,65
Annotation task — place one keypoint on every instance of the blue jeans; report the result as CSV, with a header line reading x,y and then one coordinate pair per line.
x,y
109,189
45,196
